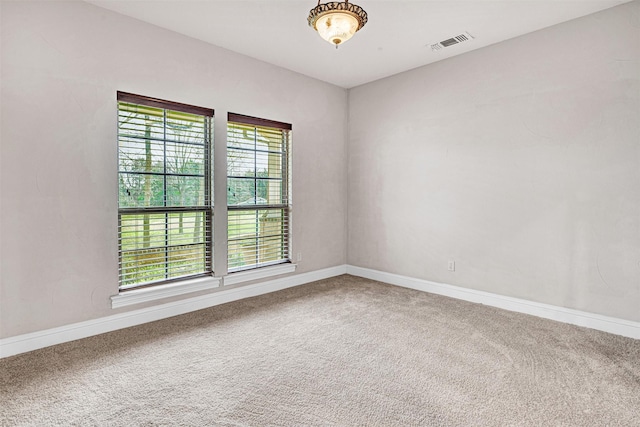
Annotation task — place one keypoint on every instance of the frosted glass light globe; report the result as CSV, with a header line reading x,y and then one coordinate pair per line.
x,y
337,22
337,27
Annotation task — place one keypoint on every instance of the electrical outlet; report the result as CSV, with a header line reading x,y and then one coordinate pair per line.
x,y
451,266
299,257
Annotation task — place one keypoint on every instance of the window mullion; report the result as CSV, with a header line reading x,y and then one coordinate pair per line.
x,y
208,215
255,192
166,195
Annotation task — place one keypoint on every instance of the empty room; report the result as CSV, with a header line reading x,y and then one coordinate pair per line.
x,y
297,213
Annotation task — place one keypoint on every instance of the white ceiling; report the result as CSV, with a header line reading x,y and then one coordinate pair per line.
x,y
397,37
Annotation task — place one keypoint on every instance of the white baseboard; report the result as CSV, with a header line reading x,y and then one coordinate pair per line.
x,y
33,341
566,315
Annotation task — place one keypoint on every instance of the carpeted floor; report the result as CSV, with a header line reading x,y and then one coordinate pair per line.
x,y
340,352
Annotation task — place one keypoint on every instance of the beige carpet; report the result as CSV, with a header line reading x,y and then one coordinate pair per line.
x,y
340,352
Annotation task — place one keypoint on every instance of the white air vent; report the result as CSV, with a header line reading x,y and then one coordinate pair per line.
x,y
460,38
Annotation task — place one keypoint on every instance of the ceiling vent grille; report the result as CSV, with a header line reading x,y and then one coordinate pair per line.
x,y
460,38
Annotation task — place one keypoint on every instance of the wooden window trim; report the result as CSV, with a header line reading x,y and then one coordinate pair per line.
x,y
256,121
164,104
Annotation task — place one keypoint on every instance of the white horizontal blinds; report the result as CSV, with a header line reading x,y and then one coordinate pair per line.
x,y
258,196
159,247
257,237
164,171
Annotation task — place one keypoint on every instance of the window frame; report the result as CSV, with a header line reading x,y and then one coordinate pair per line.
x,y
285,204
206,208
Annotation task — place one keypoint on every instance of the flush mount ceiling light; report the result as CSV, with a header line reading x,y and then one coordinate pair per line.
x,y
337,22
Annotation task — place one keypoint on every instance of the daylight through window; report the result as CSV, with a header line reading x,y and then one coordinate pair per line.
x,y
165,210
258,192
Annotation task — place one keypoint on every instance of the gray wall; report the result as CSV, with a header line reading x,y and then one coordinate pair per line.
x,y
62,63
520,161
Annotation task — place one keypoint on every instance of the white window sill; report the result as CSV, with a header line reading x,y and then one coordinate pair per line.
x,y
163,291
259,273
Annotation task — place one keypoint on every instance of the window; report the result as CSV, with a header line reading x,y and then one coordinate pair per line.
x,y
165,209
258,192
